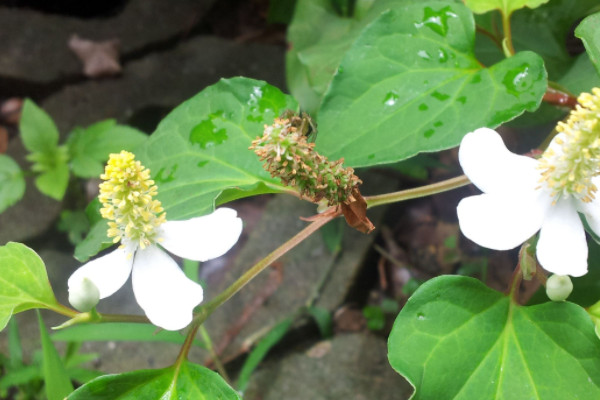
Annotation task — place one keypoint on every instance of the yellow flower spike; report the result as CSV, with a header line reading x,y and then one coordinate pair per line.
x,y
573,158
126,197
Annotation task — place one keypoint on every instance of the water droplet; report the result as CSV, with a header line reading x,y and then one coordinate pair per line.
x,y
437,21
202,163
437,124
340,70
423,107
442,56
206,133
517,80
440,96
462,99
169,174
476,78
423,54
429,133
420,316
390,99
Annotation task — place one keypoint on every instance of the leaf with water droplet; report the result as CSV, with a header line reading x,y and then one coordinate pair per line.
x,y
200,149
457,339
436,100
506,6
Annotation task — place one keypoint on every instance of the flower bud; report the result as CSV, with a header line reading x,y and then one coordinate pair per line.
x,y
84,295
559,287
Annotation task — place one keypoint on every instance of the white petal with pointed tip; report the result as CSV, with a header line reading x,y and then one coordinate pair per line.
x,y
202,238
163,291
492,167
501,222
562,248
108,273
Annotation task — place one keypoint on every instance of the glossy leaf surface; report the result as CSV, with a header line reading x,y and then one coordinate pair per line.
x,y
23,282
201,148
190,381
457,339
411,83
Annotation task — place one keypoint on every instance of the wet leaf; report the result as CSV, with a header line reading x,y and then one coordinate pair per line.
x,y
12,183
23,282
457,339
506,6
201,148
411,83
589,33
189,381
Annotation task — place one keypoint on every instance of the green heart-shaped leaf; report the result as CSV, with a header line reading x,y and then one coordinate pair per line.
x,y
188,381
201,148
411,83
23,282
457,339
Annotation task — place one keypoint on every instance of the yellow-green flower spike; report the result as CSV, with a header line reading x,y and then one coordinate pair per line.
x,y
573,159
127,201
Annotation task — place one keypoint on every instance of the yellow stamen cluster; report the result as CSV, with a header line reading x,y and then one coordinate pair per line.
x,y
126,196
288,155
573,157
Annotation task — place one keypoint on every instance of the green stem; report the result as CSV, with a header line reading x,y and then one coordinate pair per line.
x,y
422,191
213,354
507,42
187,345
257,268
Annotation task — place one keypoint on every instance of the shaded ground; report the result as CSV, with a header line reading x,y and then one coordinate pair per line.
x,y
169,52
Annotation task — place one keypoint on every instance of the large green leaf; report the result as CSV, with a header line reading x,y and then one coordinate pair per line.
x,y
189,381
12,183
319,36
201,148
23,282
57,383
89,148
457,339
38,131
589,32
506,6
411,83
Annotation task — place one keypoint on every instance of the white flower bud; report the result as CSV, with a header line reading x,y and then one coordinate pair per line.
x,y
84,295
559,287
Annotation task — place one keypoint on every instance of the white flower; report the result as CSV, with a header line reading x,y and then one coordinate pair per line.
x,y
160,287
522,196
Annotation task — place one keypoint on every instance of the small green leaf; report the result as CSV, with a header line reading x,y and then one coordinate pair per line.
x,y
12,183
90,147
57,382
53,182
457,339
201,148
189,381
23,282
322,317
261,350
38,131
506,6
589,33
122,332
375,317
75,224
95,241
411,83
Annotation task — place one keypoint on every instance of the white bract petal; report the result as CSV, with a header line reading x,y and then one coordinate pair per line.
x,y
492,167
163,291
108,273
501,222
562,248
202,238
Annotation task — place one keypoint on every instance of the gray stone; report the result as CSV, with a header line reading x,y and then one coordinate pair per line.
x,y
34,45
351,367
164,80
